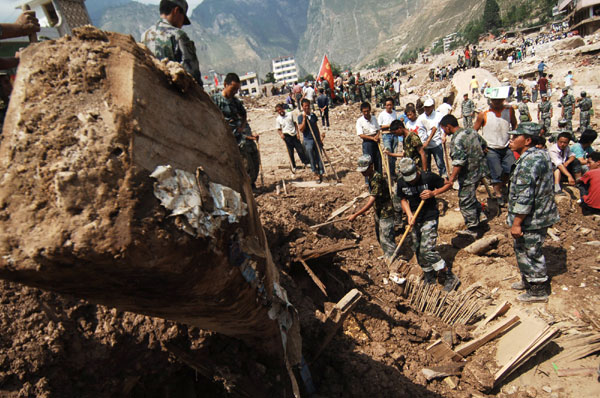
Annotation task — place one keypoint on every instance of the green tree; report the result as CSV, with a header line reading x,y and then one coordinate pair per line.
x,y
491,16
336,69
308,77
381,62
270,77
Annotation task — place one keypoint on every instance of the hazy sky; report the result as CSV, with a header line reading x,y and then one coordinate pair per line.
x,y
9,14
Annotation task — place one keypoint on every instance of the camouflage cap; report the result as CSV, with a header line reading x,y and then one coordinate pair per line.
x,y
184,6
363,163
408,169
565,89
527,128
583,94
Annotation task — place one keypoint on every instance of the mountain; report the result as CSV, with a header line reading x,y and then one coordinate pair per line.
x,y
244,35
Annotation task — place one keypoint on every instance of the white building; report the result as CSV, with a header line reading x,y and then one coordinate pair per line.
x,y
249,84
285,70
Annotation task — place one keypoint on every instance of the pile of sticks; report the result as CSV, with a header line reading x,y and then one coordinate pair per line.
x,y
451,307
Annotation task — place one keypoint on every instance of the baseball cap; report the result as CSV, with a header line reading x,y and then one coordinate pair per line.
x,y
184,6
428,102
408,169
527,128
363,163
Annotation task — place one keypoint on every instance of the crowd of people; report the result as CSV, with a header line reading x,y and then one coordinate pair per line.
x,y
398,148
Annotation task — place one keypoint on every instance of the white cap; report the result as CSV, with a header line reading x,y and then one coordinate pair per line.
x,y
428,102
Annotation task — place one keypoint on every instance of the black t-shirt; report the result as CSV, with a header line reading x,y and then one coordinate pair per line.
x,y
314,123
427,181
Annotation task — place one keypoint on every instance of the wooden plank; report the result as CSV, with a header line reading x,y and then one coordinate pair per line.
x,y
347,206
499,311
544,337
314,277
313,254
336,318
441,351
327,223
472,346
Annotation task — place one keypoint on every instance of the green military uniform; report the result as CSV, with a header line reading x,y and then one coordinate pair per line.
x,y
362,90
546,120
384,213
585,106
531,194
235,114
379,95
468,108
524,115
166,41
352,88
326,88
466,151
411,145
567,101
369,91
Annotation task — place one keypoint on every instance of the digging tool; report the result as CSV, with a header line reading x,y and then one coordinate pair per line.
x,y
262,178
321,150
327,223
386,168
32,36
448,163
492,204
410,227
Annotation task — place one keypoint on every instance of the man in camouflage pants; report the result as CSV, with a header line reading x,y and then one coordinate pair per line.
x,y
567,102
416,187
380,199
585,106
545,113
235,114
167,40
468,168
468,110
531,210
352,87
524,115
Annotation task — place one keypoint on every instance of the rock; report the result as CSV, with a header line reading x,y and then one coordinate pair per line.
x,y
531,392
570,43
451,222
547,389
483,245
594,243
585,231
562,200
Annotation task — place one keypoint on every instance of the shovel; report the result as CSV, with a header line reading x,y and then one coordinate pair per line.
x,y
410,227
492,203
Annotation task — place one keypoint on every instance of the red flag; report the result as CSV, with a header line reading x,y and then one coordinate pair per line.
x,y
216,80
326,73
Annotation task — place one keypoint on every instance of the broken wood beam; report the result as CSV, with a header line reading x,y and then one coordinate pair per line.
x,y
336,318
317,253
473,345
443,352
314,277
347,206
443,371
499,311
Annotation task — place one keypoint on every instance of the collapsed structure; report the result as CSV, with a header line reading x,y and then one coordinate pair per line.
x,y
121,184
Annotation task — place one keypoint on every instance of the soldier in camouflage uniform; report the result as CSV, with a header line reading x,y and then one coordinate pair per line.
x,y
167,40
361,88
352,87
567,102
379,96
468,110
545,114
412,145
380,199
235,114
585,106
468,161
413,188
524,115
531,210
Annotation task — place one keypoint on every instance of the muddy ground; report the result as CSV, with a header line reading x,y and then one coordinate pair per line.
x,y
57,346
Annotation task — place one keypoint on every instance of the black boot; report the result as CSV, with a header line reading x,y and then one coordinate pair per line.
x,y
521,285
536,293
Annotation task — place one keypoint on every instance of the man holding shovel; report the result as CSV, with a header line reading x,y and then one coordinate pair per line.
x,y
380,198
416,187
467,167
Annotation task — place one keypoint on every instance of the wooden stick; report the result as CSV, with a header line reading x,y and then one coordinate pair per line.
x,y
262,178
499,311
347,206
314,277
32,36
410,227
321,151
327,223
386,167
284,187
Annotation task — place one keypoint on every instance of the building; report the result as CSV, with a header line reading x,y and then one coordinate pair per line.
x,y
285,70
583,15
249,84
448,40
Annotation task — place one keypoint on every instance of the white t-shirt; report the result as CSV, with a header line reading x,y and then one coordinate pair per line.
x,y
385,119
367,127
425,124
397,86
568,80
557,156
286,124
411,126
444,109
309,93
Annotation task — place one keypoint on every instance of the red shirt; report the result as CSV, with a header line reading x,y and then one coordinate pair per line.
x,y
592,178
543,83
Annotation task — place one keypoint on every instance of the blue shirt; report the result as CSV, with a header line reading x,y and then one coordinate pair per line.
x,y
313,121
581,152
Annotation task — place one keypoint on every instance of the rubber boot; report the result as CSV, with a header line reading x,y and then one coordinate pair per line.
x,y
536,293
521,285
452,282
